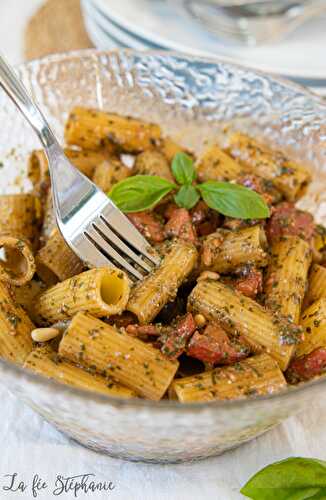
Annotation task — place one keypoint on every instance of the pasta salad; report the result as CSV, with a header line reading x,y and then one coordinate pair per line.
x,y
237,306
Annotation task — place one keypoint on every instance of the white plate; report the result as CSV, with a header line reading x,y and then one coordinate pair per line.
x,y
101,27
302,55
98,38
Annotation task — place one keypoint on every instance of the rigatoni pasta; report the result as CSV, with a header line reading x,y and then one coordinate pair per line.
x,y
15,329
153,163
92,343
259,375
287,176
86,160
25,295
227,250
239,314
20,216
149,296
221,316
93,129
314,323
38,172
317,284
216,165
38,168
101,292
19,266
49,221
290,262
55,261
45,361
109,172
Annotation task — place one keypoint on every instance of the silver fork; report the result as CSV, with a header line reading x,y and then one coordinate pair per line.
x,y
96,230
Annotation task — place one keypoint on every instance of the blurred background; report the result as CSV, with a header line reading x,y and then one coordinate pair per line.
x,y
282,37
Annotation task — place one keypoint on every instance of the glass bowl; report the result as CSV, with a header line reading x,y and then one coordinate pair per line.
x,y
192,99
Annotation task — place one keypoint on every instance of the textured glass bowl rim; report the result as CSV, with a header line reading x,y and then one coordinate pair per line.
x,y
163,404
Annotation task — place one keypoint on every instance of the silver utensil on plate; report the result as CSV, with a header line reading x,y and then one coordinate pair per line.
x,y
252,21
90,223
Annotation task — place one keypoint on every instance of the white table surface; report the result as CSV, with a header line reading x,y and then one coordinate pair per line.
x,y
30,446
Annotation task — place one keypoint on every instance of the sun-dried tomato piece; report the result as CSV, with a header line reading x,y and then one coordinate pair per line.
x,y
215,347
307,366
180,226
251,284
149,225
289,221
174,342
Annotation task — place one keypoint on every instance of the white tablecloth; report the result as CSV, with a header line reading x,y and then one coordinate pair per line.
x,y
30,446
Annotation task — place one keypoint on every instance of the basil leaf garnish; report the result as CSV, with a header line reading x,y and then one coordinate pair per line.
x,y
183,169
143,192
290,479
233,200
140,192
187,197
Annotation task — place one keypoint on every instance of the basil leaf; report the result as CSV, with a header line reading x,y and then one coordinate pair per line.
x,y
290,479
183,169
140,192
286,494
187,197
234,200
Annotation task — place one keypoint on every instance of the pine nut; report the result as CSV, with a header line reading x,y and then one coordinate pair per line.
x,y
211,275
200,320
44,334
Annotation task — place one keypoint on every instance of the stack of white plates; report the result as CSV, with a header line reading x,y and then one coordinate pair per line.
x,y
154,24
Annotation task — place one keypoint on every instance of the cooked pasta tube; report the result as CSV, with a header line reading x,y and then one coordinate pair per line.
x,y
318,242
287,277
169,148
38,168
89,128
38,171
317,284
257,376
153,163
217,165
18,267
15,329
287,176
45,361
225,251
20,215
171,393
25,296
108,173
313,321
85,160
150,295
135,364
101,292
239,314
56,261
49,220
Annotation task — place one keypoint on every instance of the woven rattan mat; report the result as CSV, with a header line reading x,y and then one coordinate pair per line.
x,y
56,27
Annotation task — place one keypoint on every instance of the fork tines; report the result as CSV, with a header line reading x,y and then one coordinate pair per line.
x,y
112,234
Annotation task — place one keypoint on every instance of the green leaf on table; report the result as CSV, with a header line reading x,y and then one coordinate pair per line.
x,y
140,192
234,200
187,197
183,169
291,479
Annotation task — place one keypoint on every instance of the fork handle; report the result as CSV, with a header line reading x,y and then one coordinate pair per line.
x,y
68,184
18,94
